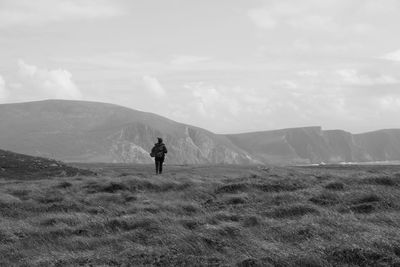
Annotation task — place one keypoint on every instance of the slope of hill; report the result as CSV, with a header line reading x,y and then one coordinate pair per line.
x,y
313,145
97,132
383,145
299,145
79,131
23,167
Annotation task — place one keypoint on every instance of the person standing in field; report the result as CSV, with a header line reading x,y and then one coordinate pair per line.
x,y
158,152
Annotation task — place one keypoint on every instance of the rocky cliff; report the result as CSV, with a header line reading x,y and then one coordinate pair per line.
x,y
313,145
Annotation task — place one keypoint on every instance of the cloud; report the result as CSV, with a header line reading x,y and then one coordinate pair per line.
x,y
316,22
393,56
27,12
216,101
354,77
339,16
181,60
390,103
217,105
308,73
154,86
3,90
263,18
304,15
39,83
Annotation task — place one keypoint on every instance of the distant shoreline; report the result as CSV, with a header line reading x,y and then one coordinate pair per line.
x,y
396,162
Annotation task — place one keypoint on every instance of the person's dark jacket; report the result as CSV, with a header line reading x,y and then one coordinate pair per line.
x,y
159,150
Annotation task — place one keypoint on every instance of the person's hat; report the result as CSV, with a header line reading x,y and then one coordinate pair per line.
x,y
159,139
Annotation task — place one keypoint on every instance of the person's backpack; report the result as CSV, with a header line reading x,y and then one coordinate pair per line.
x,y
157,151
160,153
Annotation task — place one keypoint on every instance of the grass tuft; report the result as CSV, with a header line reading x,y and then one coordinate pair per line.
x,y
278,187
358,257
334,186
64,185
367,198
293,211
251,221
385,181
231,188
325,199
237,200
363,208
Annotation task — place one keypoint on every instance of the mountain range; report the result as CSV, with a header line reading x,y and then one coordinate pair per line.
x,y
80,131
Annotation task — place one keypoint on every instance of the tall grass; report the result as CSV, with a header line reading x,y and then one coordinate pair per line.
x,y
197,216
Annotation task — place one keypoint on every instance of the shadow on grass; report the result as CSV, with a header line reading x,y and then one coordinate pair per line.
x,y
293,211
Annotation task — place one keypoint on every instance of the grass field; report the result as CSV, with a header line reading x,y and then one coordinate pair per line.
x,y
203,216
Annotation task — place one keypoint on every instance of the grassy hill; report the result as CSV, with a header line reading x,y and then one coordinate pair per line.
x,y
81,131
204,216
20,166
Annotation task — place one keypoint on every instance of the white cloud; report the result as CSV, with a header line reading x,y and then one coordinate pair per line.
x,y
154,86
288,85
308,73
226,103
390,103
302,15
354,77
181,60
39,83
27,12
339,16
317,22
262,18
3,90
393,56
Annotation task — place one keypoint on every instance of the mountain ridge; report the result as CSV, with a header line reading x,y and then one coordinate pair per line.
x,y
87,131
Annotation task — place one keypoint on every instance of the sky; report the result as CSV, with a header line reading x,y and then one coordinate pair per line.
x,y
229,66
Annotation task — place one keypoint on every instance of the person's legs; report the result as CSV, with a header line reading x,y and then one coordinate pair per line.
x,y
157,164
160,166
